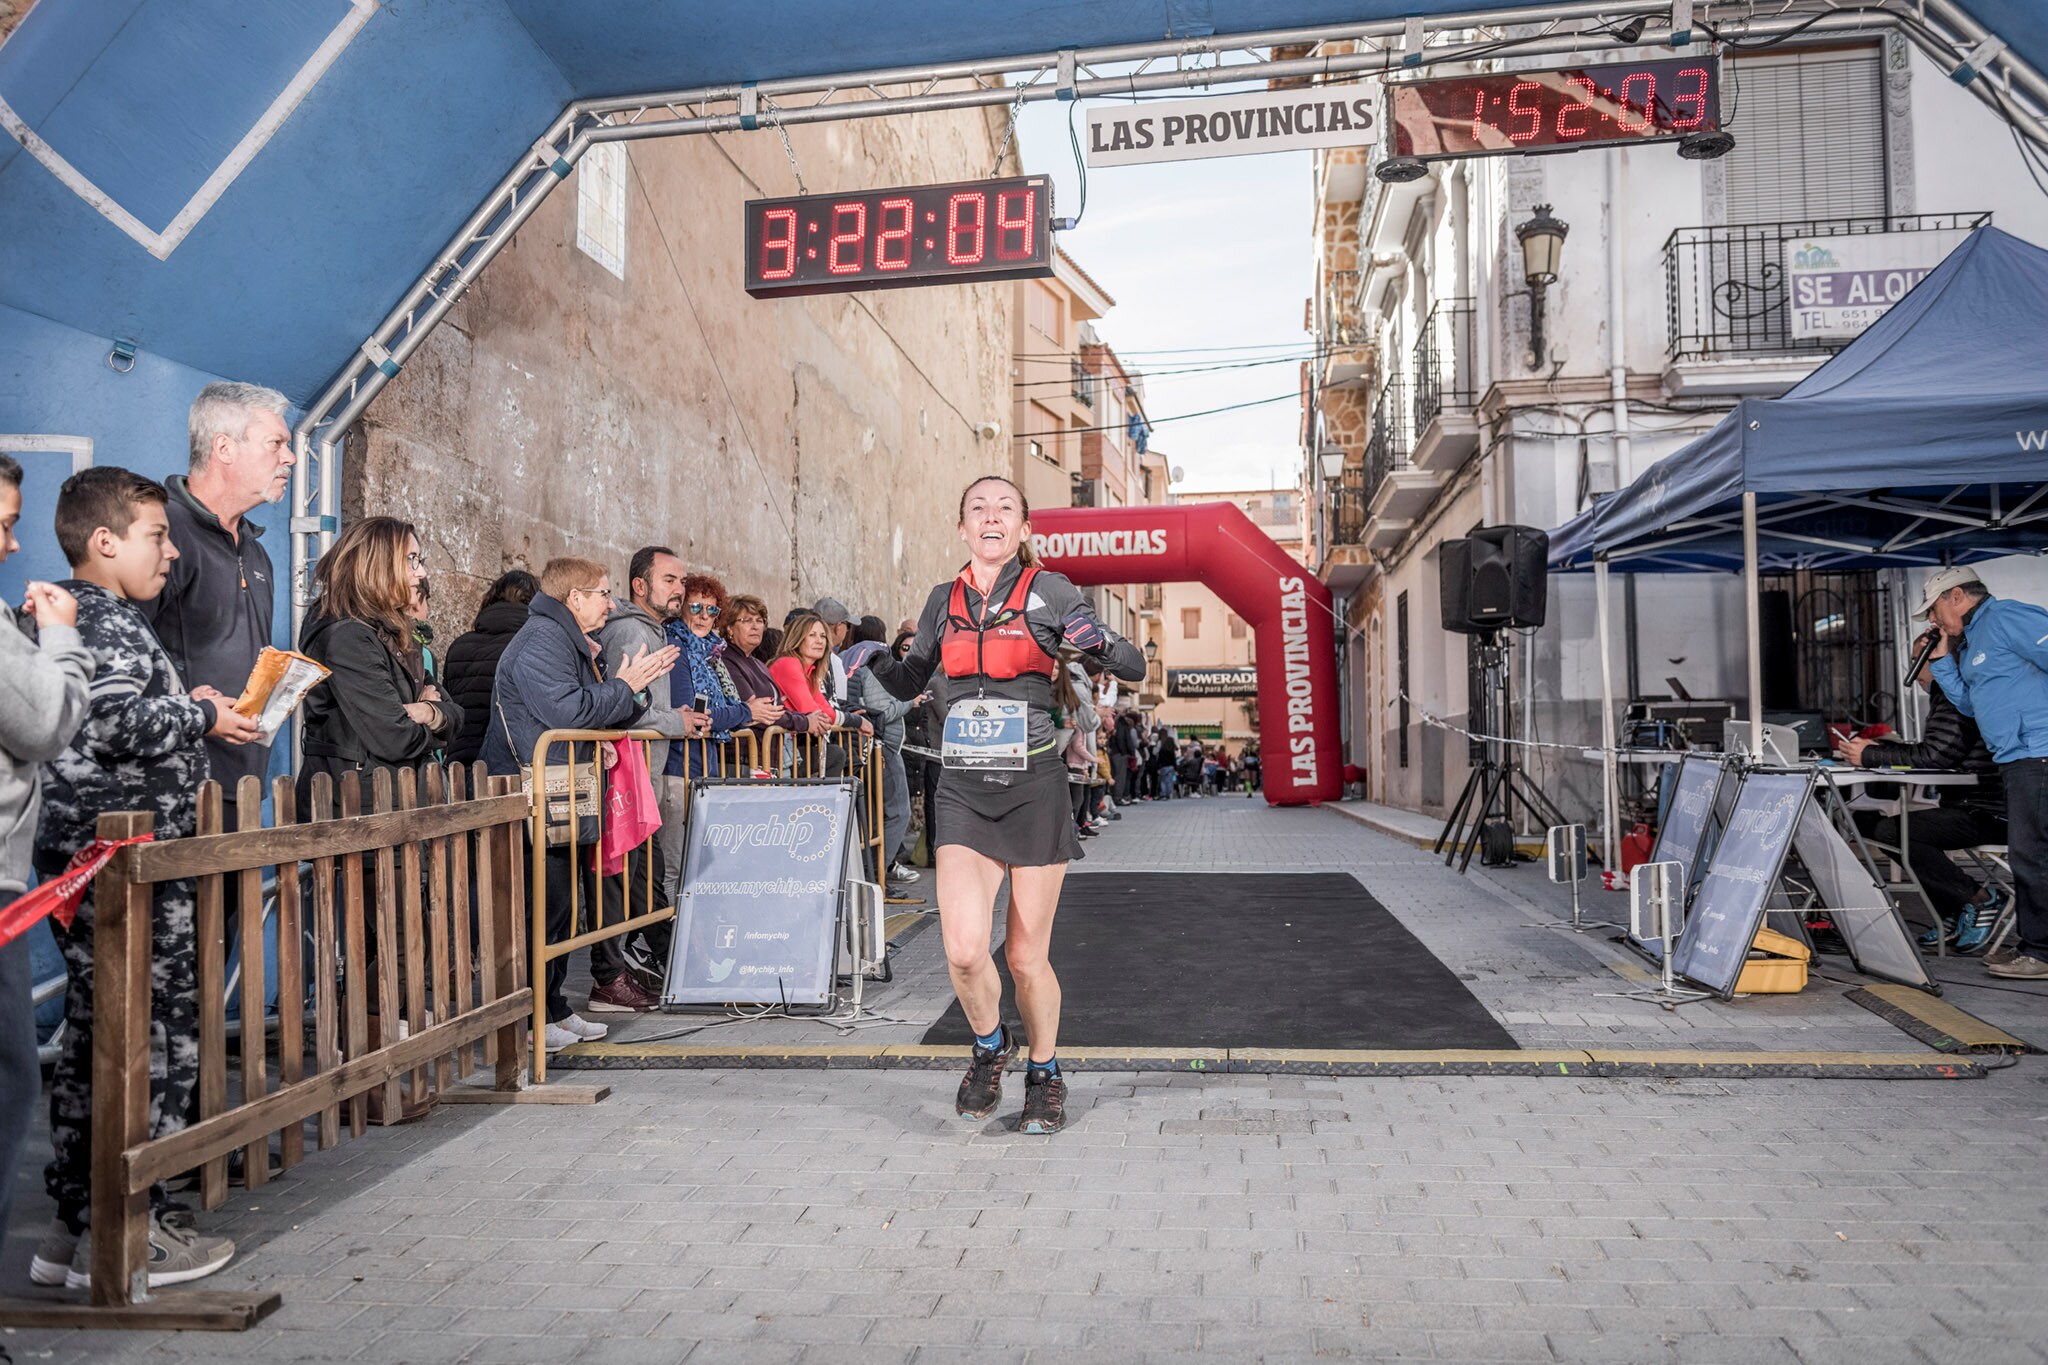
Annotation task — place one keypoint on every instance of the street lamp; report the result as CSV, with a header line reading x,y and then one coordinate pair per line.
x,y
1330,460
1542,239
1151,651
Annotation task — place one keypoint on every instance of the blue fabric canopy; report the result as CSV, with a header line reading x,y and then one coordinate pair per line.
x,y
1924,440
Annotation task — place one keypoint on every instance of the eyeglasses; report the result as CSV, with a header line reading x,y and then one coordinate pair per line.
x,y
703,609
415,560
594,592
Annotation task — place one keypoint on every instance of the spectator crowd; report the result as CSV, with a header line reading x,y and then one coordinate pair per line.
x,y
118,688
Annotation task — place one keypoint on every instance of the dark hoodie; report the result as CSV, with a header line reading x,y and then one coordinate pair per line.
x,y
355,718
468,668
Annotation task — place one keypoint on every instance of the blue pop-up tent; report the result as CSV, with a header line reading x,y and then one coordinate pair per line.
x,y
1924,441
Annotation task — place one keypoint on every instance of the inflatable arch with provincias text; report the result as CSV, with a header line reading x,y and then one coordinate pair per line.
x,y
1288,608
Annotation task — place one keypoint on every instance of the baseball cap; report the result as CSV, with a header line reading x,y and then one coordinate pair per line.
x,y
1939,582
832,611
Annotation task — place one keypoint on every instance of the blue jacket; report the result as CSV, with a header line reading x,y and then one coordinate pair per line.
x,y
1999,678
547,679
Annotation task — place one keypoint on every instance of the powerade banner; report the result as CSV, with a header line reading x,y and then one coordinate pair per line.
x,y
1212,682
759,915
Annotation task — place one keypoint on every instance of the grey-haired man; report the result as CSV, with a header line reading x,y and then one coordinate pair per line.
x,y
215,614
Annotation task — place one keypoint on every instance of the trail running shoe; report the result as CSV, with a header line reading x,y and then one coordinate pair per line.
x,y
981,1089
1930,939
1045,1104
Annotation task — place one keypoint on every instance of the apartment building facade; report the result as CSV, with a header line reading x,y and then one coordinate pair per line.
x,y
1670,303
1079,431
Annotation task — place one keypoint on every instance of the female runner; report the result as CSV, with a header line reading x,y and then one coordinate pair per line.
x,y
996,632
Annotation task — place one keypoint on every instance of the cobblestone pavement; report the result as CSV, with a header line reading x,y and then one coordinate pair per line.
x,y
847,1216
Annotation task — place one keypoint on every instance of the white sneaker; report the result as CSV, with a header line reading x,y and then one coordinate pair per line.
x,y
556,1038
583,1028
902,872
52,1261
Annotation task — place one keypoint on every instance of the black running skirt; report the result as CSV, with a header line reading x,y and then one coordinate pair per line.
x,y
1019,819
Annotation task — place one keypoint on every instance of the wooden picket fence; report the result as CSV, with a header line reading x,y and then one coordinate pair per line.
x,y
414,908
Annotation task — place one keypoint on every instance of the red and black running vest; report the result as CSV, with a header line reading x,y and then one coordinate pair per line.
x,y
1000,646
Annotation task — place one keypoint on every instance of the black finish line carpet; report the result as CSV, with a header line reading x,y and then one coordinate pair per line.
x,y
1233,959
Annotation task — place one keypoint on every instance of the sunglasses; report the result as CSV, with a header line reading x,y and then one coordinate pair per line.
x,y
703,609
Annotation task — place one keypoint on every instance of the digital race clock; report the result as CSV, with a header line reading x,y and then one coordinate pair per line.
x,y
884,239
1610,105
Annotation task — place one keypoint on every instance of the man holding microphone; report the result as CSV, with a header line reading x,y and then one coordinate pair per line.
x,y
1992,662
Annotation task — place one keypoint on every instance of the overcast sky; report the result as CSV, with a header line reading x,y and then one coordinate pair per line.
x,y
1197,254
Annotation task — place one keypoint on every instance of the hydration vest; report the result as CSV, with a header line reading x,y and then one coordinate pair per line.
x,y
1000,646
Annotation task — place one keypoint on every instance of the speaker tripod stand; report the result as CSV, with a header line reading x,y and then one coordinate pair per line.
x,y
1484,816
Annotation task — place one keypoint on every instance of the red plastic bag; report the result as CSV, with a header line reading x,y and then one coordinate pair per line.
x,y
59,896
631,814
1636,847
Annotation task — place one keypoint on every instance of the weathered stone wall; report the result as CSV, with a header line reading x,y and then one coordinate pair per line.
x,y
11,14
796,448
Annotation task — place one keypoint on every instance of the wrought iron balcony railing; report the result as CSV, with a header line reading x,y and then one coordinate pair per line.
x,y
1348,499
1726,289
1444,372
1084,384
1390,438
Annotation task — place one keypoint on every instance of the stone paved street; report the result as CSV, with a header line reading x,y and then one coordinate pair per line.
x,y
847,1216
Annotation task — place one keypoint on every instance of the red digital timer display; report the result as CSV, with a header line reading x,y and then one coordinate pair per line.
x,y
1614,104
885,239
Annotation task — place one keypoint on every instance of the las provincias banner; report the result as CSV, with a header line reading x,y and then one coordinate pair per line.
x,y
1231,125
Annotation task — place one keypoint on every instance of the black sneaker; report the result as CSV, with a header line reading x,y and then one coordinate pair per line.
x,y
981,1089
1045,1103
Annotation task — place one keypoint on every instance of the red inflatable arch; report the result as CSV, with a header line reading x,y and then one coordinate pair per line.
x,y
1288,607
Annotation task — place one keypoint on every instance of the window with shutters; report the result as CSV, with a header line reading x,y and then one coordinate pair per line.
x,y
1236,626
1042,312
1191,623
1809,136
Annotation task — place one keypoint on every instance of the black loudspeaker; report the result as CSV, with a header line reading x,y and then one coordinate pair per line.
x,y
1494,579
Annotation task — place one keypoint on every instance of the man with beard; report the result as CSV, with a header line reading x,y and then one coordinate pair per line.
x,y
655,584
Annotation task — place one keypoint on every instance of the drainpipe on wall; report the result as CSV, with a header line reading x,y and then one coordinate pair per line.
x,y
1617,382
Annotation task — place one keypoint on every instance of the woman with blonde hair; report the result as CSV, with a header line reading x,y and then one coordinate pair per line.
x,y
376,708
802,667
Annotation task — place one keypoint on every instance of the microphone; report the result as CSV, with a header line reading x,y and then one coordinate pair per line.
x,y
1921,654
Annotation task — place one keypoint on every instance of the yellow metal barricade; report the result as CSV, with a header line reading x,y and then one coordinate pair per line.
x,y
569,811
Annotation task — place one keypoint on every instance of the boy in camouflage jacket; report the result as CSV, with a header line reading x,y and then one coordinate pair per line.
x,y
139,749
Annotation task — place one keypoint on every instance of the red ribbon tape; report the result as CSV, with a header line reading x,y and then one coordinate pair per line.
x,y
59,896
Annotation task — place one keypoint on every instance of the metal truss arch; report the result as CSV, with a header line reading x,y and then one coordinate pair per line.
x,y
1939,27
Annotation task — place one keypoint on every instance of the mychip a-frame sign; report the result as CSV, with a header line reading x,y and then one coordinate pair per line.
x,y
1776,812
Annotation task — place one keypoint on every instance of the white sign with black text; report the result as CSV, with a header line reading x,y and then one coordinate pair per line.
x,y
1840,285
1231,125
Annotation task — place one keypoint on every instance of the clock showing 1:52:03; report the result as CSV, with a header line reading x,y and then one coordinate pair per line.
x,y
1560,109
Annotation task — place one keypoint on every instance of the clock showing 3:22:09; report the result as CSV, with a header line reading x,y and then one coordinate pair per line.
x,y
1612,104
